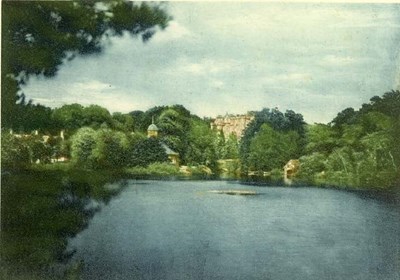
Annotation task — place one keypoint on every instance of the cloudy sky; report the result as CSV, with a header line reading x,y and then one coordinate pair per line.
x,y
217,58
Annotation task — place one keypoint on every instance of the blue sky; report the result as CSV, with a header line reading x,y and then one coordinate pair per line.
x,y
217,58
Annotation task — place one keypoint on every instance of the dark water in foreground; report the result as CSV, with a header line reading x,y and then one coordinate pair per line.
x,y
177,230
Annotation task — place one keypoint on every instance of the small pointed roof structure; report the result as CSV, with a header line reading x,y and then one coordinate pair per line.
x,y
152,127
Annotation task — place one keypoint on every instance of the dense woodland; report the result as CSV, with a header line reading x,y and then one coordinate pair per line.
x,y
96,139
358,148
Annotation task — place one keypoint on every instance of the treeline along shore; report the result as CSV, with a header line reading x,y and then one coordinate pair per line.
x,y
357,149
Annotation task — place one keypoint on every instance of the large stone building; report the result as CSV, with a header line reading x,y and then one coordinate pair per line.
x,y
232,124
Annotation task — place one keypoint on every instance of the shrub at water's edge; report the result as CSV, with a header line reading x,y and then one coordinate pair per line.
x,y
159,169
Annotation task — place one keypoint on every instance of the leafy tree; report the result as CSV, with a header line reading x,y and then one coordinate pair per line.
x,y
20,152
311,165
294,122
341,159
211,158
139,120
321,138
144,119
345,117
39,150
135,137
39,36
271,149
60,147
95,116
374,121
360,148
122,122
202,143
110,150
69,116
232,147
174,126
146,152
388,104
227,148
171,122
14,152
74,116
188,135
378,145
276,120
82,144
29,117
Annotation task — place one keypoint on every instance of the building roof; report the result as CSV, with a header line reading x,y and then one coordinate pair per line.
x,y
152,127
168,150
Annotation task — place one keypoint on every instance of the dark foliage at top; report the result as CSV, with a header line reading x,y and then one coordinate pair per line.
x,y
39,36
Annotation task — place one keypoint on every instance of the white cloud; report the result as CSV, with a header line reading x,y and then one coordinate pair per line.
x,y
92,86
333,60
205,66
217,83
295,78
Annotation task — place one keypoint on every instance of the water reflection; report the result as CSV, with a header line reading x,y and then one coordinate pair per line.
x,y
41,211
180,230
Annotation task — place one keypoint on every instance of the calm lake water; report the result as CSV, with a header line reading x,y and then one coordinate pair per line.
x,y
179,230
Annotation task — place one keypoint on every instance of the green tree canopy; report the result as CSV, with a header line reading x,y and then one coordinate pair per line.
x,y
276,120
111,149
358,148
74,116
29,117
320,138
39,36
146,152
123,122
82,144
232,147
271,149
69,116
347,116
201,144
95,116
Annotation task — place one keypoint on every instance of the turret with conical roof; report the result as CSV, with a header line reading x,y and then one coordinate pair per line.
x,y
152,130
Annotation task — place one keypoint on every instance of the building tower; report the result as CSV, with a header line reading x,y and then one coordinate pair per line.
x,y
152,130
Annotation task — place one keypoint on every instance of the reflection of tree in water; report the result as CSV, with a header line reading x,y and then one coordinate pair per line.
x,y
77,207
40,212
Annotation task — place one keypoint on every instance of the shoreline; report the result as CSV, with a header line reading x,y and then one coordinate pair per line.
x,y
258,181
